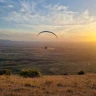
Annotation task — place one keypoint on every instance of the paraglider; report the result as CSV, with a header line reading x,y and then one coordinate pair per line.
x,y
45,47
47,32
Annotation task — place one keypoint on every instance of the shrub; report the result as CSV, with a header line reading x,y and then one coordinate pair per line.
x,y
80,73
27,85
49,82
5,72
69,91
65,74
60,85
30,73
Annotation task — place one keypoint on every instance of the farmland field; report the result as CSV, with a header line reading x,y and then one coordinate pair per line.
x,y
66,58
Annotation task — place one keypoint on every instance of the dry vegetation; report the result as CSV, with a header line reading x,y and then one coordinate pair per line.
x,y
71,85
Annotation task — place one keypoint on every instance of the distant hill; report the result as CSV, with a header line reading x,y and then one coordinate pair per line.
x,y
25,43
6,42
22,43
9,42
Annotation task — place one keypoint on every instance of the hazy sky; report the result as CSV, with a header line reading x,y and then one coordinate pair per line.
x,y
72,20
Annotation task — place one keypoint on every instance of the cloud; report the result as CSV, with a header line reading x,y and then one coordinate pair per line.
x,y
54,15
49,17
10,6
2,0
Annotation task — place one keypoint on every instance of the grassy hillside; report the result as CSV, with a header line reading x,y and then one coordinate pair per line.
x,y
71,85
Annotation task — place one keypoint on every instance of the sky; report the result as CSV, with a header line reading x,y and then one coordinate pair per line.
x,y
71,20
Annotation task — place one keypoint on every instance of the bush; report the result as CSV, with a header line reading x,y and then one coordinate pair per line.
x,y
27,85
80,73
5,72
30,73
65,74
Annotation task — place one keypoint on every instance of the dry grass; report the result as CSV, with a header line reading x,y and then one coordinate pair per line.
x,y
71,85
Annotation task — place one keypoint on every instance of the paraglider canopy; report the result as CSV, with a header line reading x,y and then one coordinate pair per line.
x,y
48,32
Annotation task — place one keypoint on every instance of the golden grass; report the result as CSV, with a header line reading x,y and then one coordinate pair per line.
x,y
71,85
